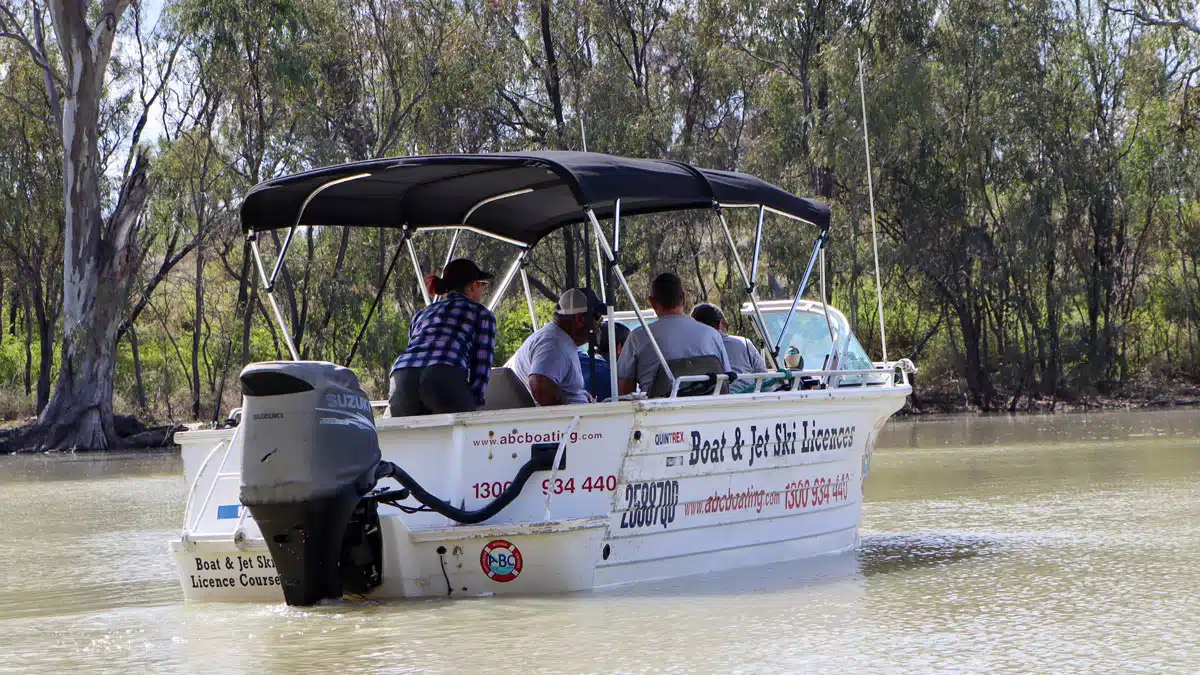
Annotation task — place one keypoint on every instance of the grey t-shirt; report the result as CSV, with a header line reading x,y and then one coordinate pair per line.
x,y
678,336
743,358
550,352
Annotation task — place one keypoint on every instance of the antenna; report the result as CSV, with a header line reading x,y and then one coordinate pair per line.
x,y
583,133
862,92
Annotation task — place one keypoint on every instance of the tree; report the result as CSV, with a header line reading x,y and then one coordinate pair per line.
x,y
1166,13
99,251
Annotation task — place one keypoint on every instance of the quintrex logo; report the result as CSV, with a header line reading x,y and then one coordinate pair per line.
x,y
759,441
665,437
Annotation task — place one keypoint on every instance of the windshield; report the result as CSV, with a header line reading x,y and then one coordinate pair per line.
x,y
807,332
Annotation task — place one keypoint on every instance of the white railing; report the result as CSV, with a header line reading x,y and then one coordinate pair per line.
x,y
892,369
191,523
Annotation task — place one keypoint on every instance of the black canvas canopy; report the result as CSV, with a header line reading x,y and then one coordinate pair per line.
x,y
531,194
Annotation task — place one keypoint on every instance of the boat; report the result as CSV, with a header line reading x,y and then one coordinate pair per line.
x,y
311,494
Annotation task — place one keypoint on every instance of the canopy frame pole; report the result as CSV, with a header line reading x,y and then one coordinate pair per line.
x,y
471,211
600,272
760,323
533,323
768,209
450,251
812,260
506,281
825,305
476,230
629,293
616,247
283,327
835,360
612,352
412,254
387,275
287,243
587,284
762,212
494,198
610,298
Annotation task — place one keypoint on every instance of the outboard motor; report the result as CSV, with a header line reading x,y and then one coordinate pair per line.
x,y
310,453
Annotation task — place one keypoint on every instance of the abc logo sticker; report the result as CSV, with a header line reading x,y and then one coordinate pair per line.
x,y
501,561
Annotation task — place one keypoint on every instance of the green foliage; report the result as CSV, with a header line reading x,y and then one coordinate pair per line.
x,y
1034,168
512,324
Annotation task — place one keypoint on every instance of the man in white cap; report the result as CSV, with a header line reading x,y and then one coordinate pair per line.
x,y
548,362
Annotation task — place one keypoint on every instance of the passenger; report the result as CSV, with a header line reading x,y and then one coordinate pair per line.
x,y
547,361
678,335
743,355
448,360
601,386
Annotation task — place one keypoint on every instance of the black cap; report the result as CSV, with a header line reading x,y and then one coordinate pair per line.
x,y
462,271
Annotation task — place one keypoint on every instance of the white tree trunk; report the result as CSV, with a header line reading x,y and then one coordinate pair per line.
x,y
98,256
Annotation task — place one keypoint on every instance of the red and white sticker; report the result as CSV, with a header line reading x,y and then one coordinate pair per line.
x,y
501,561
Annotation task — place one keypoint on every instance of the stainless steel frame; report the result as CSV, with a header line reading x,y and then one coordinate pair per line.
x,y
629,293
602,246
760,323
412,255
498,294
800,290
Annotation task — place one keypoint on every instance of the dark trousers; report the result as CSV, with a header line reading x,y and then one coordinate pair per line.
x,y
429,391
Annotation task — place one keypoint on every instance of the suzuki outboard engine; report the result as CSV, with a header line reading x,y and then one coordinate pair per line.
x,y
309,454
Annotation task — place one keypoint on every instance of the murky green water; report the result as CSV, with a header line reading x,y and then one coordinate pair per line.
x,y
1036,544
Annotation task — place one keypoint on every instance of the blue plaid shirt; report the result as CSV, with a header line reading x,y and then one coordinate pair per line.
x,y
456,332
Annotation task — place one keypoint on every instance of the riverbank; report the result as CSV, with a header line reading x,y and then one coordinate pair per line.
x,y
952,399
158,436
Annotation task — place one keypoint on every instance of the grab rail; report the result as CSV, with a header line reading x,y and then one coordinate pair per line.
x,y
212,486
187,506
902,368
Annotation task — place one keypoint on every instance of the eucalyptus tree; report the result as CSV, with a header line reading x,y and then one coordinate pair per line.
x,y
73,43
31,208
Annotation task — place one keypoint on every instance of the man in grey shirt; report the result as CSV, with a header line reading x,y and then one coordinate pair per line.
x,y
548,360
678,336
743,355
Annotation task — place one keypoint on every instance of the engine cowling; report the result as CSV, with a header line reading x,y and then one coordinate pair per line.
x,y
310,453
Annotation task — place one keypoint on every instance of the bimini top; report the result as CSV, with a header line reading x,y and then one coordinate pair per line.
x,y
517,196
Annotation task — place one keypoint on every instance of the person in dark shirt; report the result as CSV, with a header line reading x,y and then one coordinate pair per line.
x,y
448,360
601,386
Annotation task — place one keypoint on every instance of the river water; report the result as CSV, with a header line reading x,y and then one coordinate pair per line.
x,y
1066,543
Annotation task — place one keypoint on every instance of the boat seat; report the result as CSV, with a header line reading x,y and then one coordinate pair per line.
x,y
692,365
506,391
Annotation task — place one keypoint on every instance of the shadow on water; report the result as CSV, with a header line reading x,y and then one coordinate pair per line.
x,y
889,554
877,554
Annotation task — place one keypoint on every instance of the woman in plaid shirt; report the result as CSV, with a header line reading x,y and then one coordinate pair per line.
x,y
446,366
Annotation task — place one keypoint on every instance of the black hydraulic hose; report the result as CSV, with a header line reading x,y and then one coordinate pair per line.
x,y
462,515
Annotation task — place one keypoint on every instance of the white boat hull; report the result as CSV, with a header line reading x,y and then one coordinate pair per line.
x,y
650,490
